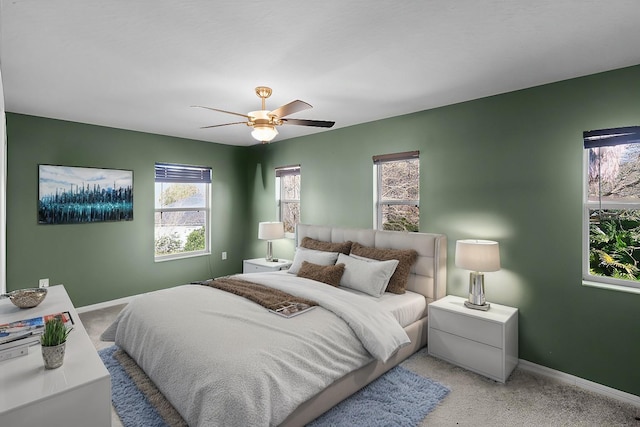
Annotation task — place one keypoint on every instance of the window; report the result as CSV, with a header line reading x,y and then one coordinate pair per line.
x,y
288,197
397,191
182,210
611,221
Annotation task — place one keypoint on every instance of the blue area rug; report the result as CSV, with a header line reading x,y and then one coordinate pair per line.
x,y
398,398
131,404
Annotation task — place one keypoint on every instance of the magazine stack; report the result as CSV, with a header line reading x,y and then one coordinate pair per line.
x,y
16,337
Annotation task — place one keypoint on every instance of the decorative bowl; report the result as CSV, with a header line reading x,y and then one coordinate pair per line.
x,y
26,298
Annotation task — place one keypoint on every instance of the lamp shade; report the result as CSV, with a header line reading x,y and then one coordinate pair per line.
x,y
270,230
478,255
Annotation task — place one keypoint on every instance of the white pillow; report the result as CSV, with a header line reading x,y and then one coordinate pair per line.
x,y
313,256
370,277
363,258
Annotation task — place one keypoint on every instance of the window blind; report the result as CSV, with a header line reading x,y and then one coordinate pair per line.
x,y
167,172
407,155
287,170
611,137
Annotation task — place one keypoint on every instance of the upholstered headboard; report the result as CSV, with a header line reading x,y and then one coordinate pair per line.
x,y
428,275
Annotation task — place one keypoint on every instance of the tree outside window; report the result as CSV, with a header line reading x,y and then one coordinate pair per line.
x,y
397,191
288,180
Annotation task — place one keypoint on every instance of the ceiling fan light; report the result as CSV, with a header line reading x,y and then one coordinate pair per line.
x,y
264,133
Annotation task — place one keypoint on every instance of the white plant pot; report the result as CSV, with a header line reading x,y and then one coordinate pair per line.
x,y
53,356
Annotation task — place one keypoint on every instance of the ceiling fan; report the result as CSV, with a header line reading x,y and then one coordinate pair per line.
x,y
264,122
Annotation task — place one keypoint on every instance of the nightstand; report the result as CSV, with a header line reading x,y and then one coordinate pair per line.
x,y
485,342
261,265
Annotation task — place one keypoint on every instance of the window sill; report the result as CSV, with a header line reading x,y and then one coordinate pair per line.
x,y
180,256
611,287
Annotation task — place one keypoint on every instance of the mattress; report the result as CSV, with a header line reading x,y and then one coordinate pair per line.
x,y
406,308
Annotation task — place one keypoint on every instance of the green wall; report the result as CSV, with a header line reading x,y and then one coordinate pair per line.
x,y
105,261
506,168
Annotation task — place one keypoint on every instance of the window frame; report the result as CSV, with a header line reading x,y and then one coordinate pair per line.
x,y
280,172
185,174
378,203
594,139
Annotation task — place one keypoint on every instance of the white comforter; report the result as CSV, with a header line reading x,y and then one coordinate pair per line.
x,y
192,342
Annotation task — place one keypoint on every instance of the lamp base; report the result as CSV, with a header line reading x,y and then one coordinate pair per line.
x,y
476,299
269,257
484,307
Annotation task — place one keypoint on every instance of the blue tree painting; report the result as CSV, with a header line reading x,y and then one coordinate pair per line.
x,y
73,195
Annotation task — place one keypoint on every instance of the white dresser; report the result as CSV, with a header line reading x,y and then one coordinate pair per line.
x,y
261,265
485,342
76,394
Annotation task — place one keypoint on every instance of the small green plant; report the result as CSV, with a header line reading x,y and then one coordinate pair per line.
x,y
55,333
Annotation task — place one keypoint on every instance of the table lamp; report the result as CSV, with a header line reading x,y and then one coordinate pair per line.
x,y
270,231
479,256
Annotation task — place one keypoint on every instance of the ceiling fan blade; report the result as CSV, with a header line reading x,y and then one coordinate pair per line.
x,y
222,111
290,108
315,123
224,124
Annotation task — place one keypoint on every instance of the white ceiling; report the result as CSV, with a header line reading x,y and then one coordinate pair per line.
x,y
141,64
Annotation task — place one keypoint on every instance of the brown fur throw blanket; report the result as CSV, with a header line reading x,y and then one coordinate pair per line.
x,y
272,299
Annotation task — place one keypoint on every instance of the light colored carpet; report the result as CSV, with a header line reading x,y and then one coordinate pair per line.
x,y
527,399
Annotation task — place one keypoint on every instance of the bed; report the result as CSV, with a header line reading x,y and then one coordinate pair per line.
x,y
221,359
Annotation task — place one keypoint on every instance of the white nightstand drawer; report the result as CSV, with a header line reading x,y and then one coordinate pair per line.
x,y
480,330
481,358
252,268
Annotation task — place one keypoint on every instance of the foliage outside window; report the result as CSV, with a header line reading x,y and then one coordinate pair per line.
x,y
182,211
612,206
397,191
288,197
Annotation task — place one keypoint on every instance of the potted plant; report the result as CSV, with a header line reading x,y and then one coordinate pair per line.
x,y
53,343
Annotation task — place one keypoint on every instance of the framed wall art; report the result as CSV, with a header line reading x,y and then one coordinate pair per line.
x,y
74,195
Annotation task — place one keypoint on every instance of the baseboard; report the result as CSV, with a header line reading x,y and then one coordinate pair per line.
x,y
580,383
105,304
